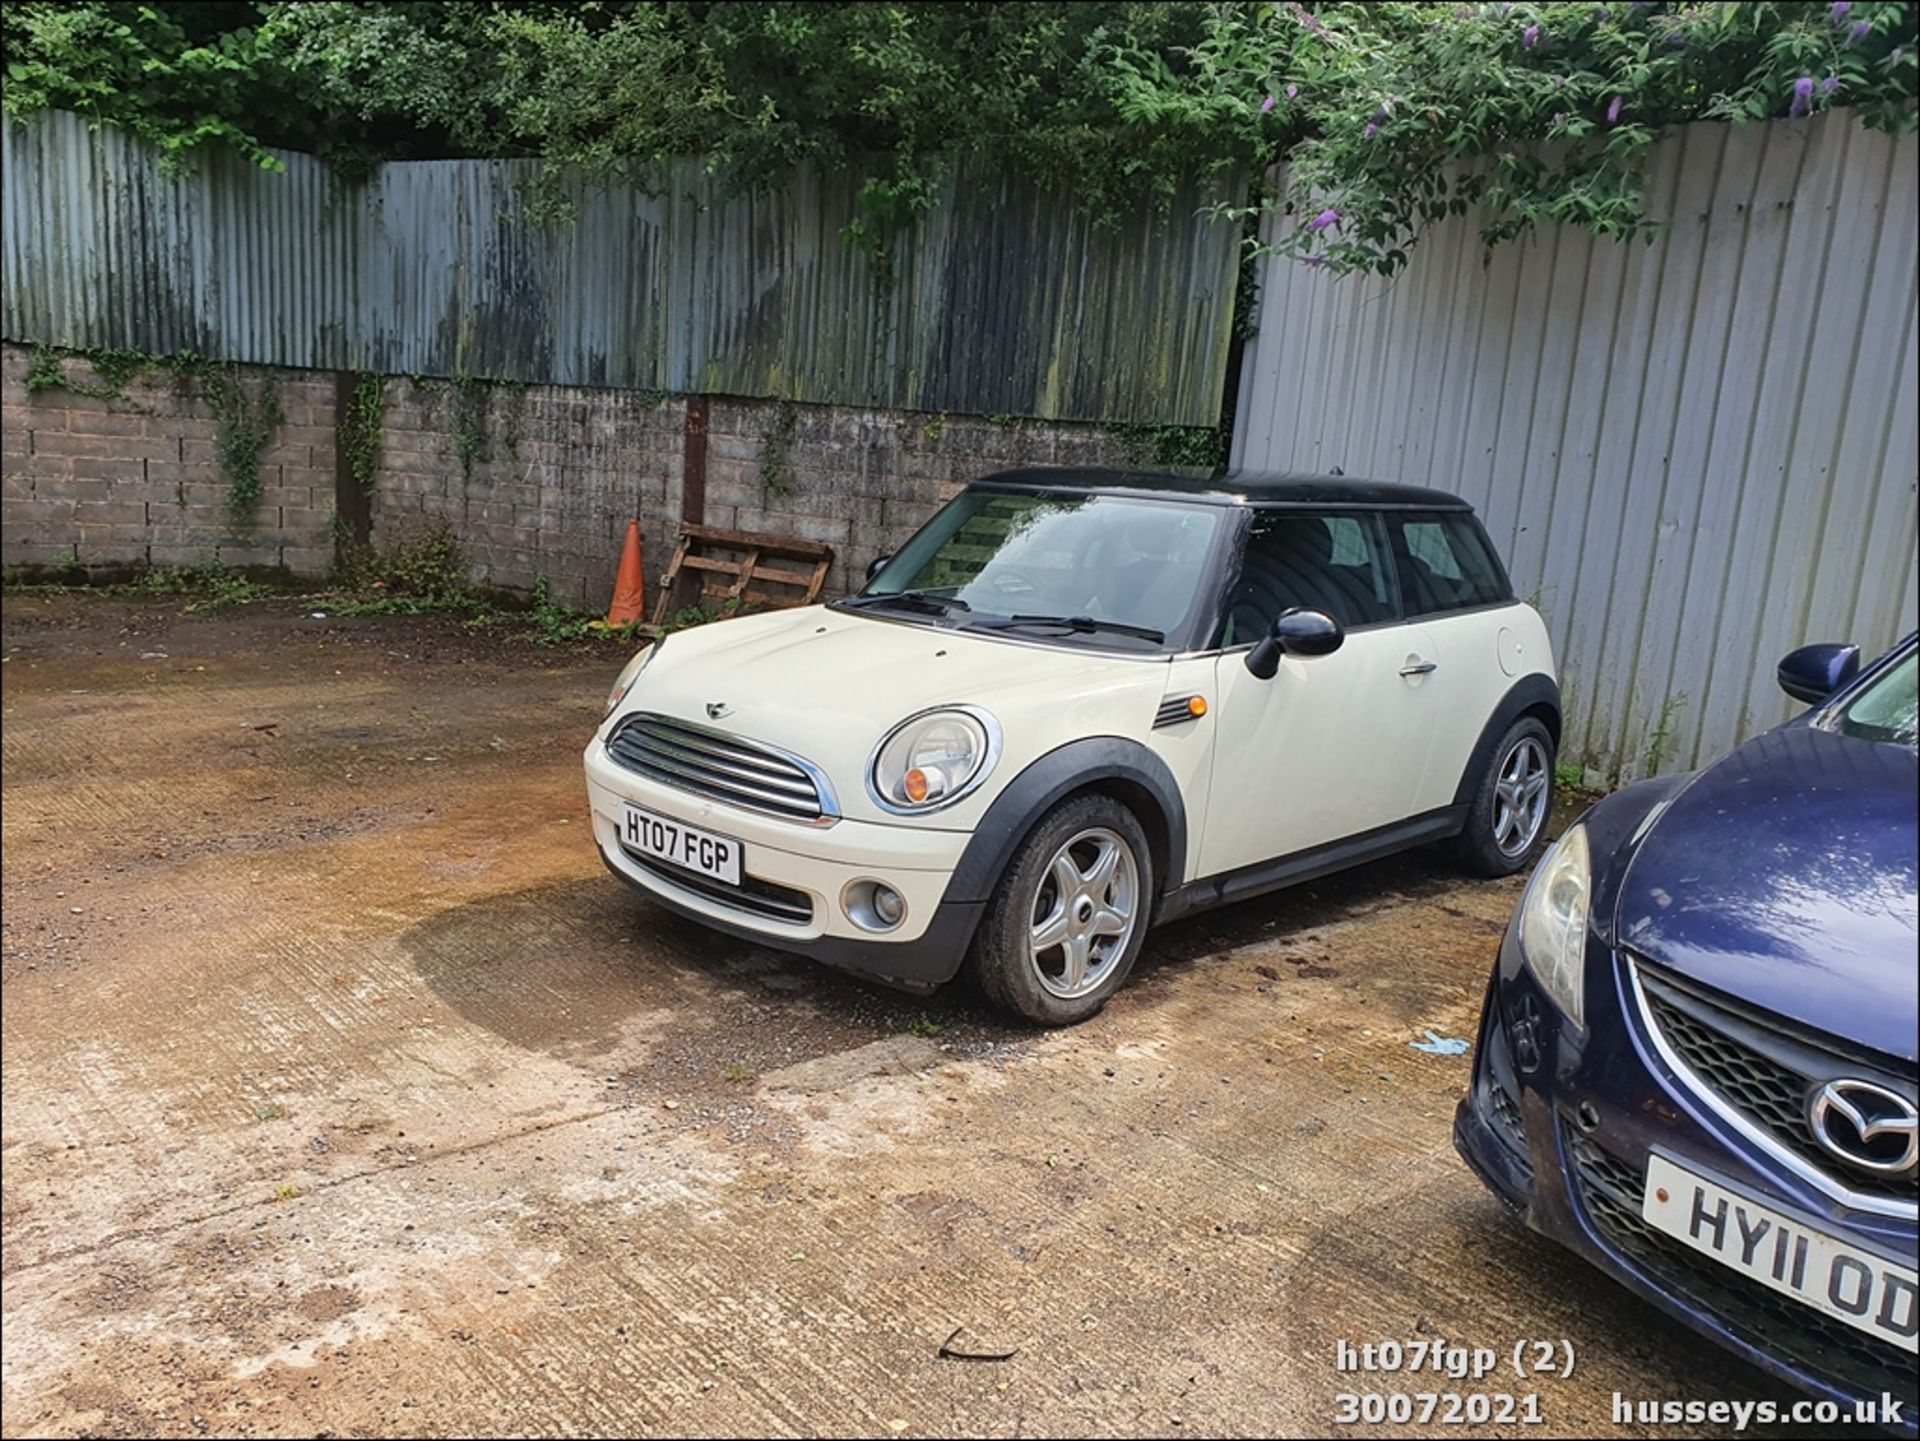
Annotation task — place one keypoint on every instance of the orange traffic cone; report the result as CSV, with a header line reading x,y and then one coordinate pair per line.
x,y
630,589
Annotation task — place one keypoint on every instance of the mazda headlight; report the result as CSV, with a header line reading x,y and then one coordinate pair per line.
x,y
629,673
1553,923
933,759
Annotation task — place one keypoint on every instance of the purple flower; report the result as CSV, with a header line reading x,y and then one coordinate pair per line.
x,y
1266,106
1322,221
1316,261
1829,85
1841,9
1802,97
1293,92
1676,38
1599,14
1613,111
1371,131
1858,33
1530,37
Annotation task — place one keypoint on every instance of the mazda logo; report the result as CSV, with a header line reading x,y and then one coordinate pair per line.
x,y
1866,1125
718,708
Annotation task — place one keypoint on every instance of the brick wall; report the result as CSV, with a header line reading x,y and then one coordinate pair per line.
x,y
136,480
536,481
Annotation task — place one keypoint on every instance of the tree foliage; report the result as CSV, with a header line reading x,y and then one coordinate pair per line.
x,y
1386,116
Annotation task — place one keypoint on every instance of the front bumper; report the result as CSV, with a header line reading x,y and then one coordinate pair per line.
x,y
802,869
1560,1127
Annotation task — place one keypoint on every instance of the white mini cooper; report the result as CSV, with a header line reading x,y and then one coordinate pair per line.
x,y
1075,704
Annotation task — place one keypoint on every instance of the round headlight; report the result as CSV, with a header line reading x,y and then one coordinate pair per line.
x,y
1553,924
629,673
933,759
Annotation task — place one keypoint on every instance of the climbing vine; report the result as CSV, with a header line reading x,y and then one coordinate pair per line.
x,y
247,417
359,429
776,450
1180,447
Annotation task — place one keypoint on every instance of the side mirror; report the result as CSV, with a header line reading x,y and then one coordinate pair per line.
x,y
1296,632
1814,672
876,565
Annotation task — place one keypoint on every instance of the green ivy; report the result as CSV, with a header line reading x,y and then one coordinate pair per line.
x,y
114,370
248,416
1387,117
358,433
1176,447
776,450
470,422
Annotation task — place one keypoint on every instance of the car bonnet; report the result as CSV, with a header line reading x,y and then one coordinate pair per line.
x,y
1785,876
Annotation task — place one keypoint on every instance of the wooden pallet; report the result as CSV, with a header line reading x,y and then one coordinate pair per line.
x,y
737,566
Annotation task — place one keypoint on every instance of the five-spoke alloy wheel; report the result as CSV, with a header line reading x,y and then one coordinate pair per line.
x,y
1069,914
1507,814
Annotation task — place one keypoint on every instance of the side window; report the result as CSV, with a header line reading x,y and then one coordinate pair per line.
x,y
1445,563
1333,563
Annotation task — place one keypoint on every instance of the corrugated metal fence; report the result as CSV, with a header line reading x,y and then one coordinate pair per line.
x,y
1003,299
1695,454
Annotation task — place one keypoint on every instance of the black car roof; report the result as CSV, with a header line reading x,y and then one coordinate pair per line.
x,y
1234,487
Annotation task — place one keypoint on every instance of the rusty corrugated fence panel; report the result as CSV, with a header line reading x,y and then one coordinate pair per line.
x,y
1001,299
1695,454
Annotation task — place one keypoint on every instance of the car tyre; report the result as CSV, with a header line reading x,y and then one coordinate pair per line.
x,y
1069,915
1507,817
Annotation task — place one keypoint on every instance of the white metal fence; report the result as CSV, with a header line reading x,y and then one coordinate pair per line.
x,y
1695,454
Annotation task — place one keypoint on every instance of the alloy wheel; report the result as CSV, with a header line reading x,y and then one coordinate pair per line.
x,y
1084,913
1521,796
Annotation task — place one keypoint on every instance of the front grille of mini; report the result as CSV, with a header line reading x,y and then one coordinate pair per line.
x,y
1610,1190
718,766
766,899
1765,1089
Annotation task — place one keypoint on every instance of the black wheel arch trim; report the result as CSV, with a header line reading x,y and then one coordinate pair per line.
x,y
1527,693
1077,766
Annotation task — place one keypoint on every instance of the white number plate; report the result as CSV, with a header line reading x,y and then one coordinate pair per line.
x,y
1867,1291
680,844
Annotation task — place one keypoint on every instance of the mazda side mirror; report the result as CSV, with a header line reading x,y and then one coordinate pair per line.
x,y
1814,672
1296,632
876,565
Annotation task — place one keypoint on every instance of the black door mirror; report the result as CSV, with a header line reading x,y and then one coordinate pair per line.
x,y
1815,672
876,565
1296,632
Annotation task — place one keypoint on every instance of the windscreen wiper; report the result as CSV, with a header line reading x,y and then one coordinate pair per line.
x,y
924,600
1084,624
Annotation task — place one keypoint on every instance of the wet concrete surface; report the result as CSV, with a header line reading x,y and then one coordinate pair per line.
x,y
346,1094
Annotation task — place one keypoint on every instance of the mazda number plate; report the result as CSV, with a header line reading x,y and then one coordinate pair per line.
x,y
1850,1283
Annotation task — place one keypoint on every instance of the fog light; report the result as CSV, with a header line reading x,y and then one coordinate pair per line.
x,y
873,905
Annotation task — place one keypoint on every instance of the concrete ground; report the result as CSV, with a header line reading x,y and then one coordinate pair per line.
x,y
346,1094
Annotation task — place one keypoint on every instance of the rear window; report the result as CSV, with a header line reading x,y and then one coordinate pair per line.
x,y
1446,563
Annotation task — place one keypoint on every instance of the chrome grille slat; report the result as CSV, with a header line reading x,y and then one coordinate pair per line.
x,y
706,760
667,734
722,767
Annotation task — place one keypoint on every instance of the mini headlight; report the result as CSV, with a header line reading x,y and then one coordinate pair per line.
x,y
1553,923
933,759
629,673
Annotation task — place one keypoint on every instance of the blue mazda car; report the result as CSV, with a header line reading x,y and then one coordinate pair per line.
x,y
1697,1060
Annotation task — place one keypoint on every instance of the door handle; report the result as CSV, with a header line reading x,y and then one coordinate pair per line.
x,y
1419,667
